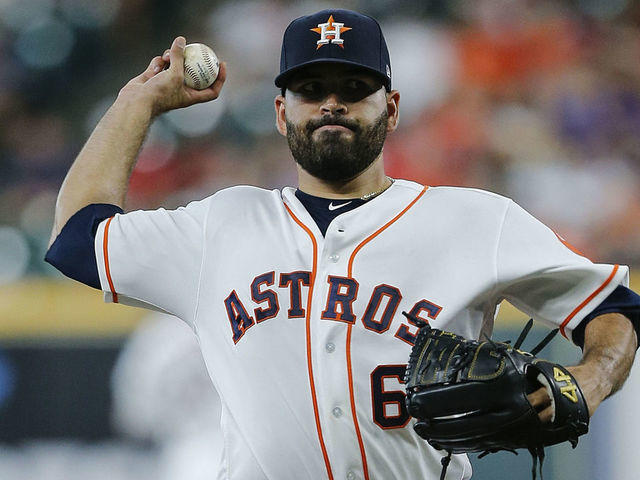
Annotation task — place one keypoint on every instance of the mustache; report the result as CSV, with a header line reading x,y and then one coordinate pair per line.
x,y
333,120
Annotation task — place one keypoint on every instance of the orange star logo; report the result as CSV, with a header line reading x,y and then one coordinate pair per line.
x,y
330,32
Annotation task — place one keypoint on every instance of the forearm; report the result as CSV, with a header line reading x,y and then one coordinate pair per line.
x,y
609,350
100,173
609,347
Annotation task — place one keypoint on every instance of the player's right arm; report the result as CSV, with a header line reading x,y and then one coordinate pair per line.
x,y
100,173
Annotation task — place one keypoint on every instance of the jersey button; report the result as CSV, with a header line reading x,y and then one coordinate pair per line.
x,y
337,412
334,258
330,347
351,476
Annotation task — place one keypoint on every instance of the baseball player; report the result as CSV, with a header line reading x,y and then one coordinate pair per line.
x,y
296,295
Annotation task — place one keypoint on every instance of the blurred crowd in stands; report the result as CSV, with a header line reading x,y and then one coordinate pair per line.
x,y
538,100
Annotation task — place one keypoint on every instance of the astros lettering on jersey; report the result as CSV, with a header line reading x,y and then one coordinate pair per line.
x,y
303,334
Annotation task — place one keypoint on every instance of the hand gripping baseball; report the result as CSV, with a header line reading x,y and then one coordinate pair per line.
x,y
471,396
162,83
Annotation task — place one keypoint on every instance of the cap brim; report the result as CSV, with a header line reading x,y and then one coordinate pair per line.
x,y
282,79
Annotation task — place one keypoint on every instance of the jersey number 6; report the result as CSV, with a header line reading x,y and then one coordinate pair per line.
x,y
389,408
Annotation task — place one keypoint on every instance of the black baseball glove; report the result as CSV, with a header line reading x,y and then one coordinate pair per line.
x,y
471,396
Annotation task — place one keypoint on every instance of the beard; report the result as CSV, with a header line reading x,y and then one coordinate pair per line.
x,y
332,157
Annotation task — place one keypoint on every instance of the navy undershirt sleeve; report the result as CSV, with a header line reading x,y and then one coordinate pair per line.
x,y
73,252
621,300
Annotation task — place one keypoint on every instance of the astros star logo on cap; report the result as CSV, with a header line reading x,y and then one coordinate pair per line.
x,y
330,32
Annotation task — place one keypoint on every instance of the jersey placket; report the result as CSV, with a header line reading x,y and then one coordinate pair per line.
x,y
329,334
331,320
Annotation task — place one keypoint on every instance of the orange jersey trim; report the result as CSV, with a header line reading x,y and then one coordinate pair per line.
x,y
589,298
350,327
569,246
314,397
105,252
384,227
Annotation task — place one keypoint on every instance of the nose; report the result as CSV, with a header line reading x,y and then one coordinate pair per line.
x,y
333,104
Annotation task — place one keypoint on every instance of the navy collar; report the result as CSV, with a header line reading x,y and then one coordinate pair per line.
x,y
324,210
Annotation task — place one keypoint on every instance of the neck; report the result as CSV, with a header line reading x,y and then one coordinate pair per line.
x,y
371,180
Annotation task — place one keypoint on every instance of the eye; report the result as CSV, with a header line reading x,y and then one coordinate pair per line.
x,y
311,89
354,84
354,89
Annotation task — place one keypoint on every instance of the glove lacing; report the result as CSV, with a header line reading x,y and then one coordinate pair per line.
x,y
445,463
536,451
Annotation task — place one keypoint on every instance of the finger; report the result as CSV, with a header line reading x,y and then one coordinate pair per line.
x,y
176,55
222,77
539,399
165,55
158,65
546,415
213,92
153,68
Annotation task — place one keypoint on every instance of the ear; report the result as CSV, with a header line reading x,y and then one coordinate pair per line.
x,y
393,102
281,119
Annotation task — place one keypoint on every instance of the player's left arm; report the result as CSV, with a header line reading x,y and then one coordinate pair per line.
x,y
610,343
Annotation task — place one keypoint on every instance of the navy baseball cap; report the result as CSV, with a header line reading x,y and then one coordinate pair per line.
x,y
334,36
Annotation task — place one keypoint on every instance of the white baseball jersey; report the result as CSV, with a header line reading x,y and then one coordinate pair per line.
x,y
303,335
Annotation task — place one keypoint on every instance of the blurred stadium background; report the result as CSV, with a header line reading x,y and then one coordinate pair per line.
x,y
538,100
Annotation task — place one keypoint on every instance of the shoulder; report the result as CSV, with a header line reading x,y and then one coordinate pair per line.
x,y
469,195
240,205
458,197
229,201
238,197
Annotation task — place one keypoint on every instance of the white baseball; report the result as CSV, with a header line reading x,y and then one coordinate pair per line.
x,y
201,66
